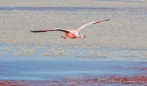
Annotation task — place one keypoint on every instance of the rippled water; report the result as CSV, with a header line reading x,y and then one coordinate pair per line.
x,y
59,68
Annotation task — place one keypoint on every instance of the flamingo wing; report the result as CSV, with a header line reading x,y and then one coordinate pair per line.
x,y
46,30
81,27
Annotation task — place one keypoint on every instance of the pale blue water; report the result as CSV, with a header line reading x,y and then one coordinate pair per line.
x,y
56,69
38,67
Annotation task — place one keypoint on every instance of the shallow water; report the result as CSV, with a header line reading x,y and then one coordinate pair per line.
x,y
54,65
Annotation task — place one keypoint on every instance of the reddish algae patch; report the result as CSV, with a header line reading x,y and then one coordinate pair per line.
x,y
123,80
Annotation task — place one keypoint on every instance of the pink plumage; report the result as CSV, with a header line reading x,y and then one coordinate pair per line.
x,y
73,33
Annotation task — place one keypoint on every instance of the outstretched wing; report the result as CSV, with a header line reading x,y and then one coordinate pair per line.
x,y
81,27
46,30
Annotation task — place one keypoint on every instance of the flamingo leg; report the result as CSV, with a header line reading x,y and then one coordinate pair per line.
x,y
64,37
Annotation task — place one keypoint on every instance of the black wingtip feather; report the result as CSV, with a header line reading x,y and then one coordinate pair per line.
x,y
107,20
36,31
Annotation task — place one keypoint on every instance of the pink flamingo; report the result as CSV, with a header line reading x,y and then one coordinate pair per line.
x,y
74,33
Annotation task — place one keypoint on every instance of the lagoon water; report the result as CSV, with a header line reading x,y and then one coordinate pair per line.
x,y
114,51
54,65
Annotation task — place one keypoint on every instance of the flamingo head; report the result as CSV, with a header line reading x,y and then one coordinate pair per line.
x,y
82,36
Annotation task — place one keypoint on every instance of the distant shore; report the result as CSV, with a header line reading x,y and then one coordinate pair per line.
x,y
71,3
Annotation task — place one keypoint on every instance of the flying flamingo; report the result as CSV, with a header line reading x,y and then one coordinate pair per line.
x,y
74,33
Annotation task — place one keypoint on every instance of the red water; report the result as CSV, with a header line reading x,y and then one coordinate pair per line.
x,y
101,81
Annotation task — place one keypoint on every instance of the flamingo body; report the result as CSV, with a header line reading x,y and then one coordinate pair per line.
x,y
74,33
71,35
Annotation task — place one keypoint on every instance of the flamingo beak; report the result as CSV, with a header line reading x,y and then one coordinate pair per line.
x,y
82,36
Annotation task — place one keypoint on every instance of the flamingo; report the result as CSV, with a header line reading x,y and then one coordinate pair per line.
x,y
73,33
